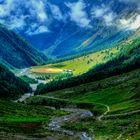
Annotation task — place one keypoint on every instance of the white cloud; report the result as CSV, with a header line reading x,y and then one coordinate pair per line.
x,y
35,31
108,18
99,11
78,13
103,13
56,12
6,8
18,14
17,22
132,23
39,9
32,16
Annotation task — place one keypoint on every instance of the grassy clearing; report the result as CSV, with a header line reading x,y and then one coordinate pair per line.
x,y
78,65
51,73
44,69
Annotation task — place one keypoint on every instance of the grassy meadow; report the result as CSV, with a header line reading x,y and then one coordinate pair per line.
x,y
82,64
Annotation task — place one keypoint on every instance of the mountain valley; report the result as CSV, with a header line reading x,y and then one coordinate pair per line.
x,y
70,70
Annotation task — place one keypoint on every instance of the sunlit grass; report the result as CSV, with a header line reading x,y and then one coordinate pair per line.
x,y
78,65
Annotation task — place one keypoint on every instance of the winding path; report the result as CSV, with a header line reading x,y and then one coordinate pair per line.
x,y
123,114
105,113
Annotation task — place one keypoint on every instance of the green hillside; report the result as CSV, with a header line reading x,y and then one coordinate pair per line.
x,y
16,52
11,87
122,89
118,96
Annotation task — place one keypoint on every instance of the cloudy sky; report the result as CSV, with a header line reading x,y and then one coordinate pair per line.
x,y
36,16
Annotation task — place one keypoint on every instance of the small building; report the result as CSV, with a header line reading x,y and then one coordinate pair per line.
x,y
69,71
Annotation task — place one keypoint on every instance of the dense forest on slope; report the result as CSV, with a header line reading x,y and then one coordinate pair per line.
x,y
16,52
11,87
128,59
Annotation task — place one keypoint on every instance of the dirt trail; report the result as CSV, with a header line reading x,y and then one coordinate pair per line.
x,y
122,114
105,113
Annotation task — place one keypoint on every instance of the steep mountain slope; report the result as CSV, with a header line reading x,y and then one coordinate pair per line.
x,y
16,52
105,29
11,87
123,58
128,48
